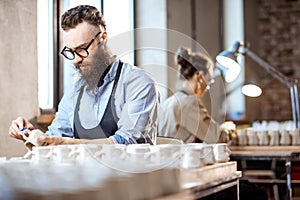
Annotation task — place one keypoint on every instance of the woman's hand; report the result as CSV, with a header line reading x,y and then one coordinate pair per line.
x,y
17,125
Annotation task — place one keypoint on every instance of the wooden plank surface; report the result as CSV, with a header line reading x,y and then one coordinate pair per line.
x,y
265,148
264,151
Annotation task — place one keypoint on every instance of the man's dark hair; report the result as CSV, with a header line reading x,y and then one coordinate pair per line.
x,y
83,13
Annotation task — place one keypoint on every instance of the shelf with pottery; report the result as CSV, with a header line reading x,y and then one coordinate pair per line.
x,y
286,153
265,152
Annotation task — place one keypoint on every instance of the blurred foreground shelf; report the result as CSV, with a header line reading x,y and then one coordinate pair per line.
x,y
207,180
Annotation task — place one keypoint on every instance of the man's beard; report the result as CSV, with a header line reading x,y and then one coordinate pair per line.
x,y
101,60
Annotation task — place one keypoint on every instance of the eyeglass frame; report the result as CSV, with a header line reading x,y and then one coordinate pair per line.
x,y
73,52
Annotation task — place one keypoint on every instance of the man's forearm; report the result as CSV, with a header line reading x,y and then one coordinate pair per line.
x,y
86,141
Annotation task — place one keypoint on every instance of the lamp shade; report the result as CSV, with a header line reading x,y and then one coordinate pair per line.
x,y
251,90
230,69
228,62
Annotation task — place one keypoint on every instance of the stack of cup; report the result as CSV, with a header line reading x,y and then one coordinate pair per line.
x,y
295,137
263,137
242,137
252,137
285,137
274,137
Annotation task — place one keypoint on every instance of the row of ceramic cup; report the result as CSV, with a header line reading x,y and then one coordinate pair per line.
x,y
104,172
254,137
133,157
197,155
22,180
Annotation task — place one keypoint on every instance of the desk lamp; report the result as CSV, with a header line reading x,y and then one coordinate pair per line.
x,y
228,59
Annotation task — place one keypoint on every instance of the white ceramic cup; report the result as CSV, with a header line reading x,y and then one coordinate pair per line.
x,y
62,154
207,155
252,137
263,137
274,137
139,153
221,152
113,152
169,153
295,137
242,137
85,152
192,157
41,154
138,148
285,138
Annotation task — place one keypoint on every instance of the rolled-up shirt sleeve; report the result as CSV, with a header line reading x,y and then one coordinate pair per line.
x,y
61,125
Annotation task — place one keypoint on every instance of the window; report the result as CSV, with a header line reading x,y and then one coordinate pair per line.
x,y
234,30
45,53
68,68
120,25
120,34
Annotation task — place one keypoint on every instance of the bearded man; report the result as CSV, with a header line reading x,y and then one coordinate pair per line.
x,y
111,102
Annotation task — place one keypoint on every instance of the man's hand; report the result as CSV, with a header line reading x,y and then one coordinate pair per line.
x,y
17,125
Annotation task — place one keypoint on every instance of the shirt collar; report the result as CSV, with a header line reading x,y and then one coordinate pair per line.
x,y
189,92
110,76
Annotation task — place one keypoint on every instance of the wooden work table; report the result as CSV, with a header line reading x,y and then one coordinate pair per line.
x,y
278,153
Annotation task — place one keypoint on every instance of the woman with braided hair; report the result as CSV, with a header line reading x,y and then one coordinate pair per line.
x,y
183,115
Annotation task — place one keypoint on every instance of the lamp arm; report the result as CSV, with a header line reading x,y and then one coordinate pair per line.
x,y
295,103
274,72
291,83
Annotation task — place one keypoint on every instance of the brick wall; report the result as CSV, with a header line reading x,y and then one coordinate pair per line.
x,y
279,44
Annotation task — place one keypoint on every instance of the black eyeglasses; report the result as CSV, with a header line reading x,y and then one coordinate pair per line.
x,y
82,52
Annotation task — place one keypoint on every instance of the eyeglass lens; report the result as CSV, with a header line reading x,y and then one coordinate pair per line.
x,y
82,52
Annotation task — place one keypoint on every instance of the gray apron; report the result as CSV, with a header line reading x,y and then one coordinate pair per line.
x,y
108,125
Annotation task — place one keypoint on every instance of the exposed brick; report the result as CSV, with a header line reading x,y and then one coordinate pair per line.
x,y
279,44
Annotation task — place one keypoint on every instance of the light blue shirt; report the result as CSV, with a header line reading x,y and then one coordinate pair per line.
x,y
136,102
